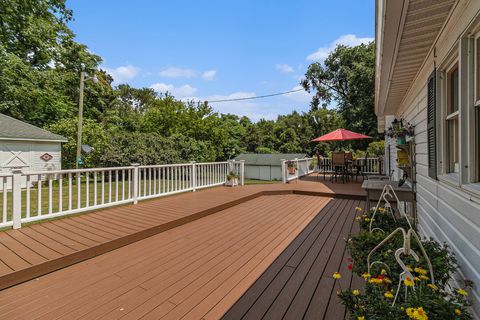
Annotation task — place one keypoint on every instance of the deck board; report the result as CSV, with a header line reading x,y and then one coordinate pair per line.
x,y
169,263
186,273
299,283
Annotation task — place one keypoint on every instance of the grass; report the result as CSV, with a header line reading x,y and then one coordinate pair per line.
x,y
255,181
46,207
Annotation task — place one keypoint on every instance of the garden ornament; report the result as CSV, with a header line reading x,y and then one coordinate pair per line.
x,y
405,250
388,192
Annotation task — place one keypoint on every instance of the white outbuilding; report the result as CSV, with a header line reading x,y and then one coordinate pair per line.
x,y
266,166
28,147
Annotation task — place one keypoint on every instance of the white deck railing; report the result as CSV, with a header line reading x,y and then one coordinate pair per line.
x,y
309,165
302,167
34,196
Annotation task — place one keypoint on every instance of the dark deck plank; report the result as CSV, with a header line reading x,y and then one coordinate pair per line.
x,y
299,284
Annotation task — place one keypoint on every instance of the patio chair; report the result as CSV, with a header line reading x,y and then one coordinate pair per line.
x,y
339,166
322,167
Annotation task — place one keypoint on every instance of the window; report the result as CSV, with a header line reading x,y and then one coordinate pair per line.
x,y
452,127
477,141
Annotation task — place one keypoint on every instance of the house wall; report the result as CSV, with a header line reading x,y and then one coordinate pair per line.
x,y
26,155
259,172
447,213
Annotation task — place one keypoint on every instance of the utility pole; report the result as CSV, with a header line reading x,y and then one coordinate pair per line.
x,y
80,119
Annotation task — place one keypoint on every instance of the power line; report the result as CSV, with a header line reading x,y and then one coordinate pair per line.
x,y
255,97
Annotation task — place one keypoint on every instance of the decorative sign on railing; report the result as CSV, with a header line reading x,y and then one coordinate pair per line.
x,y
34,196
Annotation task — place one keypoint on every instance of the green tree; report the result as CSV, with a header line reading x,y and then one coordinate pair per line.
x,y
348,78
94,135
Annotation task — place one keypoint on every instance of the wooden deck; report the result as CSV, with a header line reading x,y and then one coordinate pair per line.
x,y
184,267
299,283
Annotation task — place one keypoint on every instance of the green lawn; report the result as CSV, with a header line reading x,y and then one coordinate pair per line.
x,y
254,181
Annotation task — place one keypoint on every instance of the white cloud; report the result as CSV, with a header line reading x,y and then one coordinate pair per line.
x,y
123,73
209,75
347,40
299,96
285,68
173,72
183,91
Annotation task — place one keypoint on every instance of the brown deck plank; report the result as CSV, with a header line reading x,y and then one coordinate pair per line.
x,y
49,246
84,298
299,283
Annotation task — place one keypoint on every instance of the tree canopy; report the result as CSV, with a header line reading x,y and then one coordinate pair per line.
x,y
40,63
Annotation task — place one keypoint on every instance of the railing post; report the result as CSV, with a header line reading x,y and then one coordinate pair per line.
x,y
136,183
17,198
298,169
193,176
284,171
242,172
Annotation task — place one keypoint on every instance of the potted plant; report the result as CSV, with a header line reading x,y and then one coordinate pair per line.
x,y
292,167
401,132
232,179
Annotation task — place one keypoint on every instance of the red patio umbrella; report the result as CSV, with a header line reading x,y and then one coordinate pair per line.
x,y
341,135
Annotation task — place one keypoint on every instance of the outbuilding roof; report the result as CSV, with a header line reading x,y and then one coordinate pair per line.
x,y
273,159
13,129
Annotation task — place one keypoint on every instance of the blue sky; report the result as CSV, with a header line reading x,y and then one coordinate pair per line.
x,y
216,49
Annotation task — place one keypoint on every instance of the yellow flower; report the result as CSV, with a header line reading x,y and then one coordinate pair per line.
x,y
387,280
367,219
358,209
432,286
458,312
421,271
361,318
364,215
408,282
462,292
383,272
388,295
416,279
337,275
409,268
381,209
358,218
376,280
366,276
410,312
356,292
420,314
423,277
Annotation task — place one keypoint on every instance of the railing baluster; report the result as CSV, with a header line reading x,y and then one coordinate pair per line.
x,y
50,194
60,192
154,180
144,182
103,187
70,195
5,199
123,184
116,185
27,204
79,192
95,193
87,189
109,186
149,181
129,183
39,195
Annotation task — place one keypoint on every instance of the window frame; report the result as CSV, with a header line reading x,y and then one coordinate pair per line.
x,y
449,166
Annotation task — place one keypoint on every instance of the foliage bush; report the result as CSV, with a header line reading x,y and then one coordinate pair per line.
x,y
426,301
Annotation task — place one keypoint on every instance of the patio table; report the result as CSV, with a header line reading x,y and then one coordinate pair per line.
x,y
374,189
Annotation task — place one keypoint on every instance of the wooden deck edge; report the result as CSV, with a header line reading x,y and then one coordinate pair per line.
x,y
44,268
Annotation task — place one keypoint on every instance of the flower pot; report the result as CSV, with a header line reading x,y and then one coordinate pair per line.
x,y
232,182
